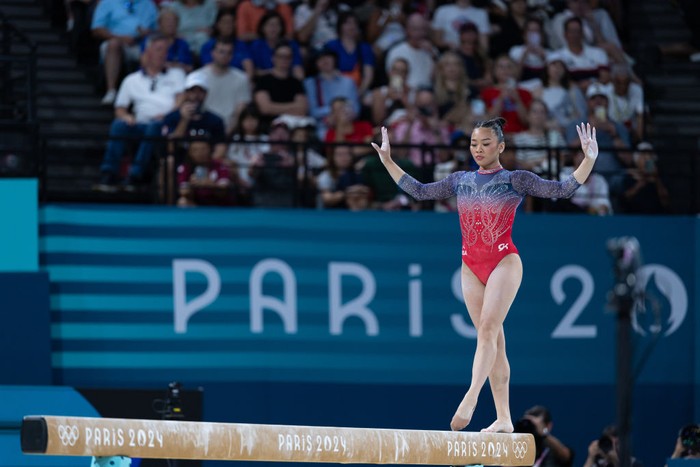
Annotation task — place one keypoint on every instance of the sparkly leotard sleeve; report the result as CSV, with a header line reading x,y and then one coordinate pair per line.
x,y
487,203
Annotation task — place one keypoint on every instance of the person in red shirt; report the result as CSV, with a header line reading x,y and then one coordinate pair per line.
x,y
203,180
343,127
505,98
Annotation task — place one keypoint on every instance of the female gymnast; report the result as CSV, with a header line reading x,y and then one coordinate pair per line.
x,y
491,267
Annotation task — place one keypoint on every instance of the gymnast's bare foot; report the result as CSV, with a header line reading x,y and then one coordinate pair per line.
x,y
463,416
499,426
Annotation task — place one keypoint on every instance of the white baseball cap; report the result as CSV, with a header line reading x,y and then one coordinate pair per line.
x,y
196,79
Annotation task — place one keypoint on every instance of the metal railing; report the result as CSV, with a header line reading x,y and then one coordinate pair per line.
x,y
299,192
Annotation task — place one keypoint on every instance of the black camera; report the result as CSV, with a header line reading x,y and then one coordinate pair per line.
x,y
525,425
605,444
173,404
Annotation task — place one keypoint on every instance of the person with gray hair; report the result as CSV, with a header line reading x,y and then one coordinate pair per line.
x,y
626,100
144,98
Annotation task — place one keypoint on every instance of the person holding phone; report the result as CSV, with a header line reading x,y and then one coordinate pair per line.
x,y
505,98
395,95
422,126
191,121
531,56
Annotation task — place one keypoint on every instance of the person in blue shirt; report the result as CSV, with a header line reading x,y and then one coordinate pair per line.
x,y
355,56
272,32
120,25
225,28
325,86
179,54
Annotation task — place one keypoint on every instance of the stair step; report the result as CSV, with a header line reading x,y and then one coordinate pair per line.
x,y
51,50
88,101
21,10
661,94
673,130
661,106
85,114
61,144
72,75
663,80
28,25
87,129
667,21
65,89
56,63
656,8
676,119
664,36
681,66
46,36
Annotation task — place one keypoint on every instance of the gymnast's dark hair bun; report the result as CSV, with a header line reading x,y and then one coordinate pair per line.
x,y
496,124
500,121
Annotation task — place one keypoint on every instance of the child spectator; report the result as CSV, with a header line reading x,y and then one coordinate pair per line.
x,y
248,144
202,180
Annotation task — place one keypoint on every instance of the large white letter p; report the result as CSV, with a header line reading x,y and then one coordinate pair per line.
x,y
184,310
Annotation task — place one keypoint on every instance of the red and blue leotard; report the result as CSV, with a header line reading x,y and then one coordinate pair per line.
x,y
487,203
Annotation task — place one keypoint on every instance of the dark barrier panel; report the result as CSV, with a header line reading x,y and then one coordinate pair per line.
x,y
25,329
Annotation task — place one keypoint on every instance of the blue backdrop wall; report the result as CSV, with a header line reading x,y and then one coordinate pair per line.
x,y
356,319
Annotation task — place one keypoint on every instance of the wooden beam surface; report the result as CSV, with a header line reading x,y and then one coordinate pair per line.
x,y
167,439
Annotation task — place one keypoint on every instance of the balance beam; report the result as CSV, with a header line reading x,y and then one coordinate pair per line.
x,y
170,439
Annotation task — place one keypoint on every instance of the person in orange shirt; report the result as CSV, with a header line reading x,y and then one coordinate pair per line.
x,y
249,13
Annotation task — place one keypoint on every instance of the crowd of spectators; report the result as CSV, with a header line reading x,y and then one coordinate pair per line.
x,y
301,87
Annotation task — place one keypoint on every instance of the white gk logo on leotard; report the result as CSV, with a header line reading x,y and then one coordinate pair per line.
x,y
502,246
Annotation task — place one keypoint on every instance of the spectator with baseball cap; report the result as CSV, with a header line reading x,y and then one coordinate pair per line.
x,y
610,134
192,121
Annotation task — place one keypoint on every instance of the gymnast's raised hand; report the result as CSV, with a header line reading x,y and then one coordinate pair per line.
x,y
384,152
589,146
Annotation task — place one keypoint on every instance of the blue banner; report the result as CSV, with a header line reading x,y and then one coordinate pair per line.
x,y
143,295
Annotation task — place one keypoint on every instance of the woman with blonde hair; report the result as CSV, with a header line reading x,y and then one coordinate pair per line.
x,y
452,91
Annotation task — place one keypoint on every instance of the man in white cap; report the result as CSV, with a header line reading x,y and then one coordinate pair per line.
x,y
192,121
610,134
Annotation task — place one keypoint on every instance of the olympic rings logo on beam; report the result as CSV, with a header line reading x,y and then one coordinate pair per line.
x,y
68,434
519,449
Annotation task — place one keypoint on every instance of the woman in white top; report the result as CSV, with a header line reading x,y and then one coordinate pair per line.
x,y
564,100
541,133
249,142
